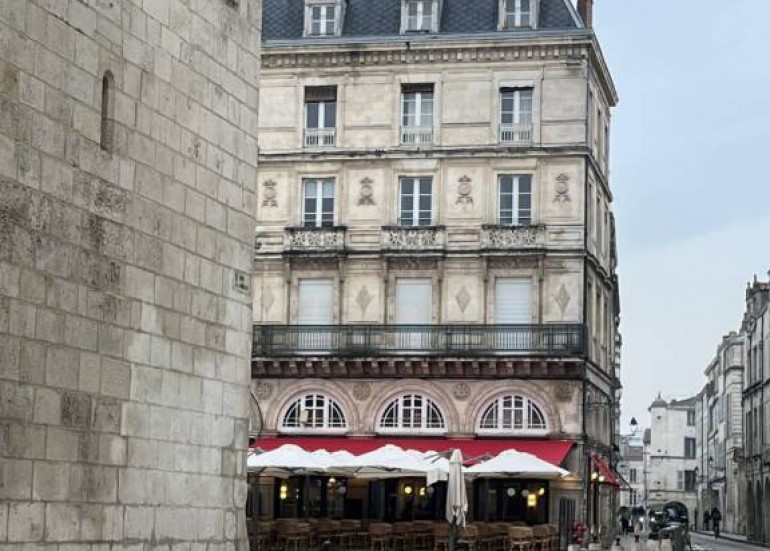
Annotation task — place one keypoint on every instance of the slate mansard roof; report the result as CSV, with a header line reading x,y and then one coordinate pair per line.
x,y
283,19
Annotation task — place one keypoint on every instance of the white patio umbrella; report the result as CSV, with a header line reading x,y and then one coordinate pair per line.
x,y
290,459
516,464
456,496
385,462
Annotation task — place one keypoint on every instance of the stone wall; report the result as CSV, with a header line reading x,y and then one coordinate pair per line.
x,y
124,224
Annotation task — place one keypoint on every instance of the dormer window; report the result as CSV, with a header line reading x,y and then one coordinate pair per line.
x,y
323,17
516,14
420,16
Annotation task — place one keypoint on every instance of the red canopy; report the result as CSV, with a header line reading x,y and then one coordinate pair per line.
x,y
601,467
552,451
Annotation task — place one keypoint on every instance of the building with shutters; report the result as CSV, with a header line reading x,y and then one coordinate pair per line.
x,y
671,455
435,241
756,411
720,436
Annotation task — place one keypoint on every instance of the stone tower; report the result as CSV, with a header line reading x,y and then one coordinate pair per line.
x,y
127,174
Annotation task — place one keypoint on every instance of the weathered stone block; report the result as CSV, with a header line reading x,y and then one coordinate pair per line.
x,y
62,522
62,444
76,410
51,482
25,522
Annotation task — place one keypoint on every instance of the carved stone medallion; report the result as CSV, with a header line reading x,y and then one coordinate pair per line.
x,y
563,299
563,392
363,299
366,192
263,391
362,391
562,189
269,193
461,391
464,189
463,298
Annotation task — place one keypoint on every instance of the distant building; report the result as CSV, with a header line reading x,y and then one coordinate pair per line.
x,y
756,408
631,468
720,435
671,453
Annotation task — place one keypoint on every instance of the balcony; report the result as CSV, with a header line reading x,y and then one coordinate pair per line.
x,y
503,238
416,135
413,238
515,133
315,240
560,340
320,137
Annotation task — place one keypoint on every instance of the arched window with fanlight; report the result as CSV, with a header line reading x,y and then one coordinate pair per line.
x,y
411,413
512,414
313,413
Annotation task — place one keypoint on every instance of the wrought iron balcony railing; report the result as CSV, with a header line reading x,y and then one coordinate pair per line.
x,y
320,137
413,238
515,133
430,340
319,239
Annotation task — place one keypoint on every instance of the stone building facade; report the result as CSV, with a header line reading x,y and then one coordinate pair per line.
x,y
128,161
671,455
631,468
720,436
434,229
756,411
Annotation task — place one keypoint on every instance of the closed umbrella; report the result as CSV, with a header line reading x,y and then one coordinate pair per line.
x,y
456,497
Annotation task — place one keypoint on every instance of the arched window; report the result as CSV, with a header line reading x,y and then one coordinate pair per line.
x,y
313,413
412,413
512,413
107,138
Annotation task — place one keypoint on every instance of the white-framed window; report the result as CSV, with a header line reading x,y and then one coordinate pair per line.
x,y
412,413
313,413
680,481
418,16
320,115
518,13
515,199
318,203
516,114
416,114
323,18
690,447
690,417
512,414
416,202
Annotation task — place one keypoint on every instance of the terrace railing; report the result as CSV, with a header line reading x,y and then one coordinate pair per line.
x,y
431,340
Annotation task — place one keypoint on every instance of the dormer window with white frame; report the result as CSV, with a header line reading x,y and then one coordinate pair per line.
x,y
323,17
420,16
518,14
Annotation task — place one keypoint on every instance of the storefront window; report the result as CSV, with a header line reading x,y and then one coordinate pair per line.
x,y
311,496
511,500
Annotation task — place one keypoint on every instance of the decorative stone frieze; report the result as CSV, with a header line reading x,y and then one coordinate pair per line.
x,y
366,193
510,237
413,238
461,391
315,239
269,193
362,391
464,197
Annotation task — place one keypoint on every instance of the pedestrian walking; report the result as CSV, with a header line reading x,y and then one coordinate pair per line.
x,y
716,519
706,519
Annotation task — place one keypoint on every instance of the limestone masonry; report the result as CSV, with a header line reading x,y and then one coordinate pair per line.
x,y
127,201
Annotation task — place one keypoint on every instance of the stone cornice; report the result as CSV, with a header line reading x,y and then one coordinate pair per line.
x,y
575,47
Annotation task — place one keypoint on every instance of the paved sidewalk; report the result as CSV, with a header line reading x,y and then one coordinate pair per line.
x,y
729,537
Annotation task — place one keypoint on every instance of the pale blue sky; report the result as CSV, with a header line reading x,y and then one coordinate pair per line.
x,y
690,141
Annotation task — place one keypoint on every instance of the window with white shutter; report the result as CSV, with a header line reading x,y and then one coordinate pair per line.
x,y
513,301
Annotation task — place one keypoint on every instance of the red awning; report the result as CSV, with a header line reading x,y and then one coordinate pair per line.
x,y
604,470
552,451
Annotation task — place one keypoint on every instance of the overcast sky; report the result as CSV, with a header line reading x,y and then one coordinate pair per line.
x,y
690,145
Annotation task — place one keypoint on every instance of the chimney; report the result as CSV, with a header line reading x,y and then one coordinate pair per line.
x,y
586,11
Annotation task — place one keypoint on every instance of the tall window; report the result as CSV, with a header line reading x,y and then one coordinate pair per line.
x,y
632,476
107,138
680,481
516,115
417,114
518,13
690,417
313,412
689,481
412,412
515,200
319,203
419,15
323,18
416,202
512,413
320,115
690,448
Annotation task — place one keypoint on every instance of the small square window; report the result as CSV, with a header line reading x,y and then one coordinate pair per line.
x,y
322,18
